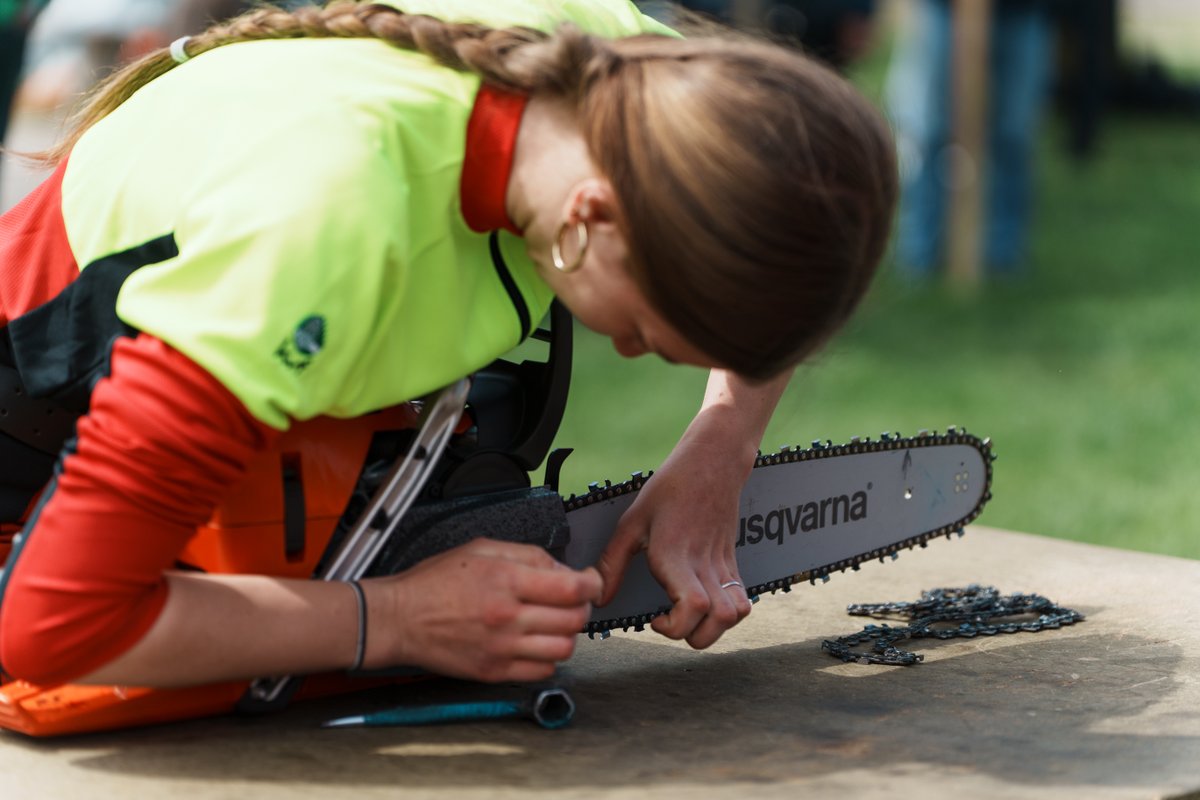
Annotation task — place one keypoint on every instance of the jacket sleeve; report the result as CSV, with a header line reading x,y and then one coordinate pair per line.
x,y
161,444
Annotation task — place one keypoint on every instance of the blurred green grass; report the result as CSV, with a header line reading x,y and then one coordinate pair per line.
x,y
1083,371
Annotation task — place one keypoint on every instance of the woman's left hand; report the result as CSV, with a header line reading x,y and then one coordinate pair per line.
x,y
685,518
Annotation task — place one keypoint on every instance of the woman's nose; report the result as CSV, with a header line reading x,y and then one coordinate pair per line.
x,y
629,346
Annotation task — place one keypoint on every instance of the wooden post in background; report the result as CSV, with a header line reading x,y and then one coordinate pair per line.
x,y
968,149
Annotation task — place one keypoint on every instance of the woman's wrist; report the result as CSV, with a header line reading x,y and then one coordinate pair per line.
x,y
360,607
730,448
379,625
734,417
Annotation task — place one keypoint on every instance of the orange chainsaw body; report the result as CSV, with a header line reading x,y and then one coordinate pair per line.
x,y
246,534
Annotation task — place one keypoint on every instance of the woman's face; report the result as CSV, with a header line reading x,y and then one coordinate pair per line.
x,y
600,292
602,295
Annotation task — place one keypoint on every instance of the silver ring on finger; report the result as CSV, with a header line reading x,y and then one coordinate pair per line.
x,y
727,584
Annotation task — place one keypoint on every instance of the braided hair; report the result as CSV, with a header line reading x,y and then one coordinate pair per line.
x,y
756,188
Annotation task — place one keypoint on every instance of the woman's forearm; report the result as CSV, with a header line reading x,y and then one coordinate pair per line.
x,y
486,610
229,627
735,413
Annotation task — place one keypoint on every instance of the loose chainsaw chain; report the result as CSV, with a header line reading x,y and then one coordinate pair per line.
x,y
887,441
973,608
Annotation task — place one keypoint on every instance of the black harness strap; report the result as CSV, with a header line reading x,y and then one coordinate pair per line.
x,y
295,521
510,285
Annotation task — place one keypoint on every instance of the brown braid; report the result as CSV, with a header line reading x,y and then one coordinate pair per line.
x,y
467,47
516,58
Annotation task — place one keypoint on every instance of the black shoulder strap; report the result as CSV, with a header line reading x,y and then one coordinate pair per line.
x,y
41,424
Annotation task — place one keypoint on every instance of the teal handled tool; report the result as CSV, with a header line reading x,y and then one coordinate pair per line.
x,y
550,708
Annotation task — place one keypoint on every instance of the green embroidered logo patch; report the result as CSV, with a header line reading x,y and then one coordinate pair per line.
x,y
298,350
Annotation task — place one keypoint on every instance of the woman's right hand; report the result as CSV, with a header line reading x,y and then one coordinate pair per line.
x,y
487,610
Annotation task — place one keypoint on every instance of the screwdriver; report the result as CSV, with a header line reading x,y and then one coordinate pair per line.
x,y
551,708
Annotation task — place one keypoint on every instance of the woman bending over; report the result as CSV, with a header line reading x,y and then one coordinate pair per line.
x,y
332,211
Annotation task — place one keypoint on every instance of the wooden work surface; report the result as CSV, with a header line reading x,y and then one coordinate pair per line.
x,y
1108,708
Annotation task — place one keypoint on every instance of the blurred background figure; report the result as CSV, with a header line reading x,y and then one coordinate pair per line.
x,y
918,93
74,43
78,41
836,31
16,19
1099,73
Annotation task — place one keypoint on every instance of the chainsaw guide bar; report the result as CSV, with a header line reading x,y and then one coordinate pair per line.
x,y
807,512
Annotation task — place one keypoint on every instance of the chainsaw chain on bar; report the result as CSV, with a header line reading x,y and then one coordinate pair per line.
x,y
887,441
974,608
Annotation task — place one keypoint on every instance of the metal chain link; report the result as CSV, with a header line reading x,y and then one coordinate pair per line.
x,y
974,608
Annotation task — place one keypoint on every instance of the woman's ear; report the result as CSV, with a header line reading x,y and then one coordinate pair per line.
x,y
593,202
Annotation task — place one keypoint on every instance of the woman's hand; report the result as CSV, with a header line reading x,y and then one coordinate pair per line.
x,y
685,517
490,611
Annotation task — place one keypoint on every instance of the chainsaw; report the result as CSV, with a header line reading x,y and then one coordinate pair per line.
x,y
346,499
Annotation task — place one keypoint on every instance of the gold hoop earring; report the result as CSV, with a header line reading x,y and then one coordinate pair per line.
x,y
581,233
